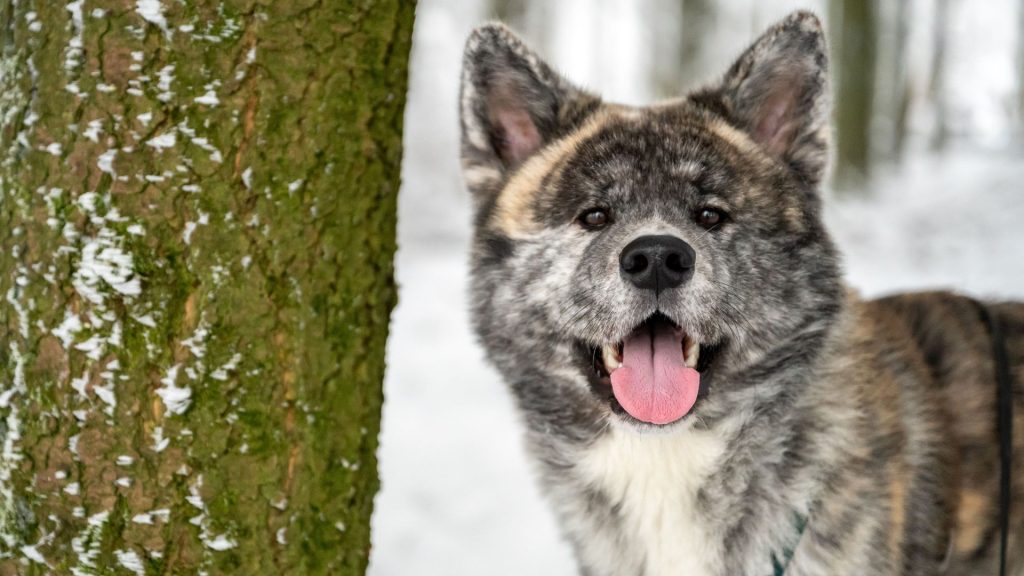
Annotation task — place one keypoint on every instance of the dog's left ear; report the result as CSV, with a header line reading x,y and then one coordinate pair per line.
x,y
777,92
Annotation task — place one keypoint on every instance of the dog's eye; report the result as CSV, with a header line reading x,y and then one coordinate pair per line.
x,y
594,219
710,217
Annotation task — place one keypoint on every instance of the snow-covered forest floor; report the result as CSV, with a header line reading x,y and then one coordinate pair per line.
x,y
458,498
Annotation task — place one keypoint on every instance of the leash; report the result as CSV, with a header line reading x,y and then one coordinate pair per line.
x,y
779,564
1004,425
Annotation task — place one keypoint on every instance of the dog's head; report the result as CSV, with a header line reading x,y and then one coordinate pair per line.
x,y
644,255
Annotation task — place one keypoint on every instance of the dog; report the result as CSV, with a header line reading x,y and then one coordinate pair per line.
x,y
701,393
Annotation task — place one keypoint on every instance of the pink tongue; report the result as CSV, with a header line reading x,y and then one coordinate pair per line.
x,y
653,384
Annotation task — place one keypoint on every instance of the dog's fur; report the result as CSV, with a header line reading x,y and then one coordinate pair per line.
x,y
872,420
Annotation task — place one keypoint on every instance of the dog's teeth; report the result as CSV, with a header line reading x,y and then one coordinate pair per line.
x,y
692,353
611,357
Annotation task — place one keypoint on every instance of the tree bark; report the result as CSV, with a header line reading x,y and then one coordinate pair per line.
x,y
197,217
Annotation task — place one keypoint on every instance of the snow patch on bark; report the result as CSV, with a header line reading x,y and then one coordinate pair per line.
x,y
130,561
152,11
217,543
165,140
33,554
159,442
209,98
73,53
176,400
106,161
105,263
221,542
88,544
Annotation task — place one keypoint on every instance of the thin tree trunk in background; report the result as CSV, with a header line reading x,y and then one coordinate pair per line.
x,y
937,86
512,12
197,217
1020,66
698,18
899,95
664,19
679,31
854,46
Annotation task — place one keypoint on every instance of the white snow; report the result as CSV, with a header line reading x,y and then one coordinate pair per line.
x,y
221,542
208,99
93,130
221,373
159,442
130,561
176,400
146,320
73,54
106,161
153,11
166,76
33,554
145,518
186,234
165,140
103,261
71,325
87,544
107,395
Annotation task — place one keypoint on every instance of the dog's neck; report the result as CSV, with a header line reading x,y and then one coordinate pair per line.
x,y
721,490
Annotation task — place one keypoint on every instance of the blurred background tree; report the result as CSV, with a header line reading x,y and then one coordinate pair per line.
x,y
853,31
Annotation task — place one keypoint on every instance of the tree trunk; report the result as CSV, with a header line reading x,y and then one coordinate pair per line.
x,y
1020,67
695,41
197,217
512,12
683,33
895,93
937,86
853,24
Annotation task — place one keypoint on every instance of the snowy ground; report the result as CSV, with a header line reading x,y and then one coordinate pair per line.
x,y
954,221
458,497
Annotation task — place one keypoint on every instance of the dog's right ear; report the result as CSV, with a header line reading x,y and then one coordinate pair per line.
x,y
511,105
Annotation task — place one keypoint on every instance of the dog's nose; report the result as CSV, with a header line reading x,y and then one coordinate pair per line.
x,y
657,262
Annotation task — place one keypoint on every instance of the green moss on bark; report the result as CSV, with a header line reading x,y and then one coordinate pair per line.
x,y
198,198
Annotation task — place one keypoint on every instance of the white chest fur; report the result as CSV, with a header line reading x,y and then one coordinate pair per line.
x,y
656,479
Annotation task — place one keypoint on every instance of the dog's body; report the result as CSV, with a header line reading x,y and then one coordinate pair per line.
x,y
798,429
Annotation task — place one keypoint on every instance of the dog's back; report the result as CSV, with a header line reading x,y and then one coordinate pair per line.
x,y
949,345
